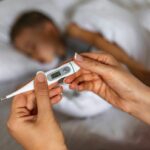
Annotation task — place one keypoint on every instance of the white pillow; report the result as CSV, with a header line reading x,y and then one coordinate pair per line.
x,y
10,9
143,16
14,65
132,4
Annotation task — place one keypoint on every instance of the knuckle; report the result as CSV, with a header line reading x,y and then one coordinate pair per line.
x,y
105,54
94,64
79,80
8,124
109,56
11,125
59,97
112,71
94,76
42,86
42,93
91,86
76,81
42,90
83,78
60,90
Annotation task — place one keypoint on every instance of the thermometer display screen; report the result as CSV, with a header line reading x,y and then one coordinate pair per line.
x,y
55,75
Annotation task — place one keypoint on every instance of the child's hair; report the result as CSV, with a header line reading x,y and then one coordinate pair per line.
x,y
28,19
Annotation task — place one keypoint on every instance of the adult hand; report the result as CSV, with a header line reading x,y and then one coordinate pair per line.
x,y
32,122
103,75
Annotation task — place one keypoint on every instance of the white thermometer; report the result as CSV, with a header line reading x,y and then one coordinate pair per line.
x,y
52,76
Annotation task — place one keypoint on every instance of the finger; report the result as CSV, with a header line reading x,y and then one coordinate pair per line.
x,y
30,118
90,62
53,85
31,101
93,65
90,86
85,78
86,86
71,78
56,99
55,92
19,102
23,112
42,96
102,57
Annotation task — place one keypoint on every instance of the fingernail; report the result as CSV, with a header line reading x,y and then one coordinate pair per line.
x,y
41,76
78,57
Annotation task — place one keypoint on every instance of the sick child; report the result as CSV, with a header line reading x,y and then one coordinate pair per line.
x,y
37,36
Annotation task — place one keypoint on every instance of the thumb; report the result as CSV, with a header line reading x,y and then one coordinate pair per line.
x,y
42,96
92,65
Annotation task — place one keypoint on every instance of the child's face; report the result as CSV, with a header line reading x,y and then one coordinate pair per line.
x,y
41,43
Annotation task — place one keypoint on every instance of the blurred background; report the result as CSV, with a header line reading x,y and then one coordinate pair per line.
x,y
39,34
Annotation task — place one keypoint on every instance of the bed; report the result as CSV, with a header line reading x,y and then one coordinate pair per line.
x,y
112,129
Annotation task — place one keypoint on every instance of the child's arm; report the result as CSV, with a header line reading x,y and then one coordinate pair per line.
x,y
101,43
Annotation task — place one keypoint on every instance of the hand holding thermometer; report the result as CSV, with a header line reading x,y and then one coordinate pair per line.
x,y
52,76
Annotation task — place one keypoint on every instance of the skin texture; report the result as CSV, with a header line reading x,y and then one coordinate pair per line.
x,y
41,43
32,118
103,75
100,42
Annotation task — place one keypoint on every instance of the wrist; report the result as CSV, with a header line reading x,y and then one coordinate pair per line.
x,y
141,106
57,147
48,147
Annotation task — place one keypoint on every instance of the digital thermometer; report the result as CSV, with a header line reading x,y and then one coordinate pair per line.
x,y
52,76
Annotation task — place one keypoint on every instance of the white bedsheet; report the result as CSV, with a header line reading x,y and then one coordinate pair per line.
x,y
81,105
117,24
113,130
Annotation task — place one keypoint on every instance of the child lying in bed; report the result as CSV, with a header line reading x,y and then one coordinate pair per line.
x,y
36,35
